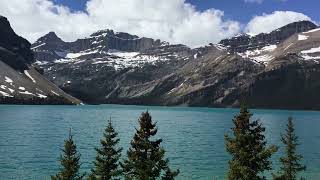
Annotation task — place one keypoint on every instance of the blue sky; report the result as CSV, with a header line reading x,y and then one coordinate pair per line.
x,y
237,9
244,11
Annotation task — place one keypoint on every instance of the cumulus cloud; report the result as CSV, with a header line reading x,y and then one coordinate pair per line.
x,y
34,18
172,20
269,22
175,21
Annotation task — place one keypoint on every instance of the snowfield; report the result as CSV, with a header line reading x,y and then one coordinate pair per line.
x,y
311,54
312,50
311,31
115,58
8,80
5,94
302,37
261,55
27,74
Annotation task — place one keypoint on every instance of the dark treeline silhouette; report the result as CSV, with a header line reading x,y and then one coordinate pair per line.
x,y
251,155
291,161
108,155
145,160
145,156
50,100
69,161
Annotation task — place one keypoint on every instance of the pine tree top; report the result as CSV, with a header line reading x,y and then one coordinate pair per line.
x,y
108,155
70,161
146,158
291,161
247,146
147,127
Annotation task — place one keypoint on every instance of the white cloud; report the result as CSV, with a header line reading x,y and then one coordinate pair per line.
x,y
34,18
172,20
269,22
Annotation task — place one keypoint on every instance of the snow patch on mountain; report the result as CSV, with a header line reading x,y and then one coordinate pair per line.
x,y
115,58
122,54
260,55
5,94
195,56
8,80
269,48
264,58
64,60
220,47
76,55
41,63
308,57
257,52
129,59
311,54
311,31
42,96
11,90
27,74
312,50
55,93
302,37
26,93
38,46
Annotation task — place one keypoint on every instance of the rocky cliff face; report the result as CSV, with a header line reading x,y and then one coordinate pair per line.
x,y
108,71
260,69
295,86
123,41
19,47
244,42
20,83
50,47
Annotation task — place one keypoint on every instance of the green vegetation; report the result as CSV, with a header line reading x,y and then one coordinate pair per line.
x,y
250,154
291,161
145,160
108,155
145,157
69,162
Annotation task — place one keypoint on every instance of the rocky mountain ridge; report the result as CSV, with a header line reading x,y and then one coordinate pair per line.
x,y
20,83
266,66
50,47
244,42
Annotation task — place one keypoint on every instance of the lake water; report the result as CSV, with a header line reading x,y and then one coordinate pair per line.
x,y
31,137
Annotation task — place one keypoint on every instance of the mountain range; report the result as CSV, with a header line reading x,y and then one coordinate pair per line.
x,y
20,82
279,69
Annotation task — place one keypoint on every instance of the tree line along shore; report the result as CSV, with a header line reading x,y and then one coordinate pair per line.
x,y
146,160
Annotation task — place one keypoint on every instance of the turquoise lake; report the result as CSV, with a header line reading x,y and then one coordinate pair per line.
x,y
31,137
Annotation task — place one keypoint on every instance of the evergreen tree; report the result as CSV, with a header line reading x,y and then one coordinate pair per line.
x,y
170,175
250,154
69,162
290,163
145,156
107,160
